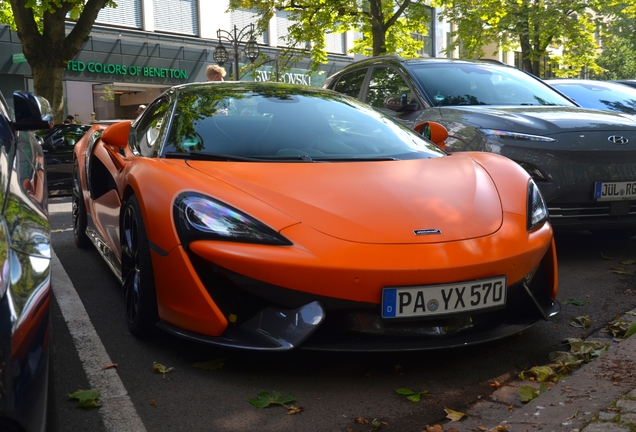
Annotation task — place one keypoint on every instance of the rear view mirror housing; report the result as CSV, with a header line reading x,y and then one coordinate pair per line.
x,y
32,112
433,131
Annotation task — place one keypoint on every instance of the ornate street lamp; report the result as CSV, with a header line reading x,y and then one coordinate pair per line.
x,y
251,49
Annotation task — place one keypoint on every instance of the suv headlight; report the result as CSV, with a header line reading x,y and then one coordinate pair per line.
x,y
514,135
537,210
198,217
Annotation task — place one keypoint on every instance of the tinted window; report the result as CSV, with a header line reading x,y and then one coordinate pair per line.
x,y
351,83
149,126
451,84
287,124
386,83
601,96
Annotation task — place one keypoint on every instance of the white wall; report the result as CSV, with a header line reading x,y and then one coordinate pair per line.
x,y
212,17
79,98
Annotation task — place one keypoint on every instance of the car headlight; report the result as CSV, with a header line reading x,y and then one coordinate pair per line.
x,y
537,210
200,217
514,135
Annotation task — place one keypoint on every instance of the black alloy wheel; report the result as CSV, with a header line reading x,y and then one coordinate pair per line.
x,y
138,280
78,211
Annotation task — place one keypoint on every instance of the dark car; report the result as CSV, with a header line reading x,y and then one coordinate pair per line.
x,y
582,160
25,260
627,82
601,95
58,144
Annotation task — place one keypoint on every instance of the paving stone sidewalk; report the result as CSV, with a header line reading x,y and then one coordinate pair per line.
x,y
598,397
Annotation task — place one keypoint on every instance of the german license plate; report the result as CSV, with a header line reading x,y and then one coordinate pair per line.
x,y
432,300
614,191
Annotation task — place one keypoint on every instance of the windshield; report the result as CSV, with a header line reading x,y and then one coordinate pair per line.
x,y
283,122
452,84
603,96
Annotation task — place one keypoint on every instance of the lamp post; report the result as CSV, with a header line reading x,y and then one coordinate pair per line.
x,y
220,54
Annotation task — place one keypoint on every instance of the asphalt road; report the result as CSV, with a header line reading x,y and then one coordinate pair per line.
x,y
334,389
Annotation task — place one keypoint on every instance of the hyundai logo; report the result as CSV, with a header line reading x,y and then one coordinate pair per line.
x,y
617,139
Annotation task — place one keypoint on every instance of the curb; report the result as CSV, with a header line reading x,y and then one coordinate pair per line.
x,y
568,406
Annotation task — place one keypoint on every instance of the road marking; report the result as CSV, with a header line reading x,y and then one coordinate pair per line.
x,y
118,412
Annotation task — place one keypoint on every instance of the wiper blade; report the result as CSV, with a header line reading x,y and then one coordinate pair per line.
x,y
355,159
210,157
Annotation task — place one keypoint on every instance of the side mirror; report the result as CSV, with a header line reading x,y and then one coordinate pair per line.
x,y
434,132
117,134
32,112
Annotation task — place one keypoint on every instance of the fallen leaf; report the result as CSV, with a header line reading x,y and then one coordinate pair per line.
x,y
575,415
210,365
511,408
110,366
606,257
581,321
266,399
619,272
573,301
153,403
375,424
295,410
434,428
481,428
159,368
495,384
617,268
86,398
628,262
411,395
454,415
361,420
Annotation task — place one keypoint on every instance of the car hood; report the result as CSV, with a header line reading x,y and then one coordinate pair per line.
x,y
543,120
374,202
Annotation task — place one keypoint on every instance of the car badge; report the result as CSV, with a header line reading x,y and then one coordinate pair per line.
x,y
427,231
617,139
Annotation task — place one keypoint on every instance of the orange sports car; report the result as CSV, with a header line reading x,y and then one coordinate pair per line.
x,y
269,216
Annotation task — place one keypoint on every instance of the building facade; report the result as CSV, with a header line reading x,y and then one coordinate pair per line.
x,y
143,47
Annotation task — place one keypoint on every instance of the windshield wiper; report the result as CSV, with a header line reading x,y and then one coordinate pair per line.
x,y
210,157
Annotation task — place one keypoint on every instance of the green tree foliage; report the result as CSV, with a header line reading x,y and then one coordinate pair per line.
x,y
561,30
46,45
618,58
387,26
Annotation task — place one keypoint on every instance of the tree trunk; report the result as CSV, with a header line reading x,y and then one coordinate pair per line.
x,y
47,82
48,52
377,27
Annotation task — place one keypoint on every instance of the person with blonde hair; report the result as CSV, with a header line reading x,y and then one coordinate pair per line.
x,y
215,73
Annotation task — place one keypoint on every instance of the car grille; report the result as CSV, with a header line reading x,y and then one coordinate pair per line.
x,y
590,212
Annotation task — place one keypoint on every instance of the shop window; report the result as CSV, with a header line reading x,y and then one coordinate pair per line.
x,y
177,16
127,14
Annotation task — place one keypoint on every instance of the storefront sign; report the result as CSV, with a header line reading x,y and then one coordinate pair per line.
x,y
293,76
18,58
120,69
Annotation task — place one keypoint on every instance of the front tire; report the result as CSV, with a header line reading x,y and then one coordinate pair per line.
x,y
138,280
78,211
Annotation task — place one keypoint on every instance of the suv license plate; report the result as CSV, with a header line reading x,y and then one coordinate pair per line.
x,y
614,191
432,300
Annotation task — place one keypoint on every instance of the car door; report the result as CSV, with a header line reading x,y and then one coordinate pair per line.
x,y
58,151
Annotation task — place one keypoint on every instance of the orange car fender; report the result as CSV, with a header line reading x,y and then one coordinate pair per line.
x,y
509,178
189,308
